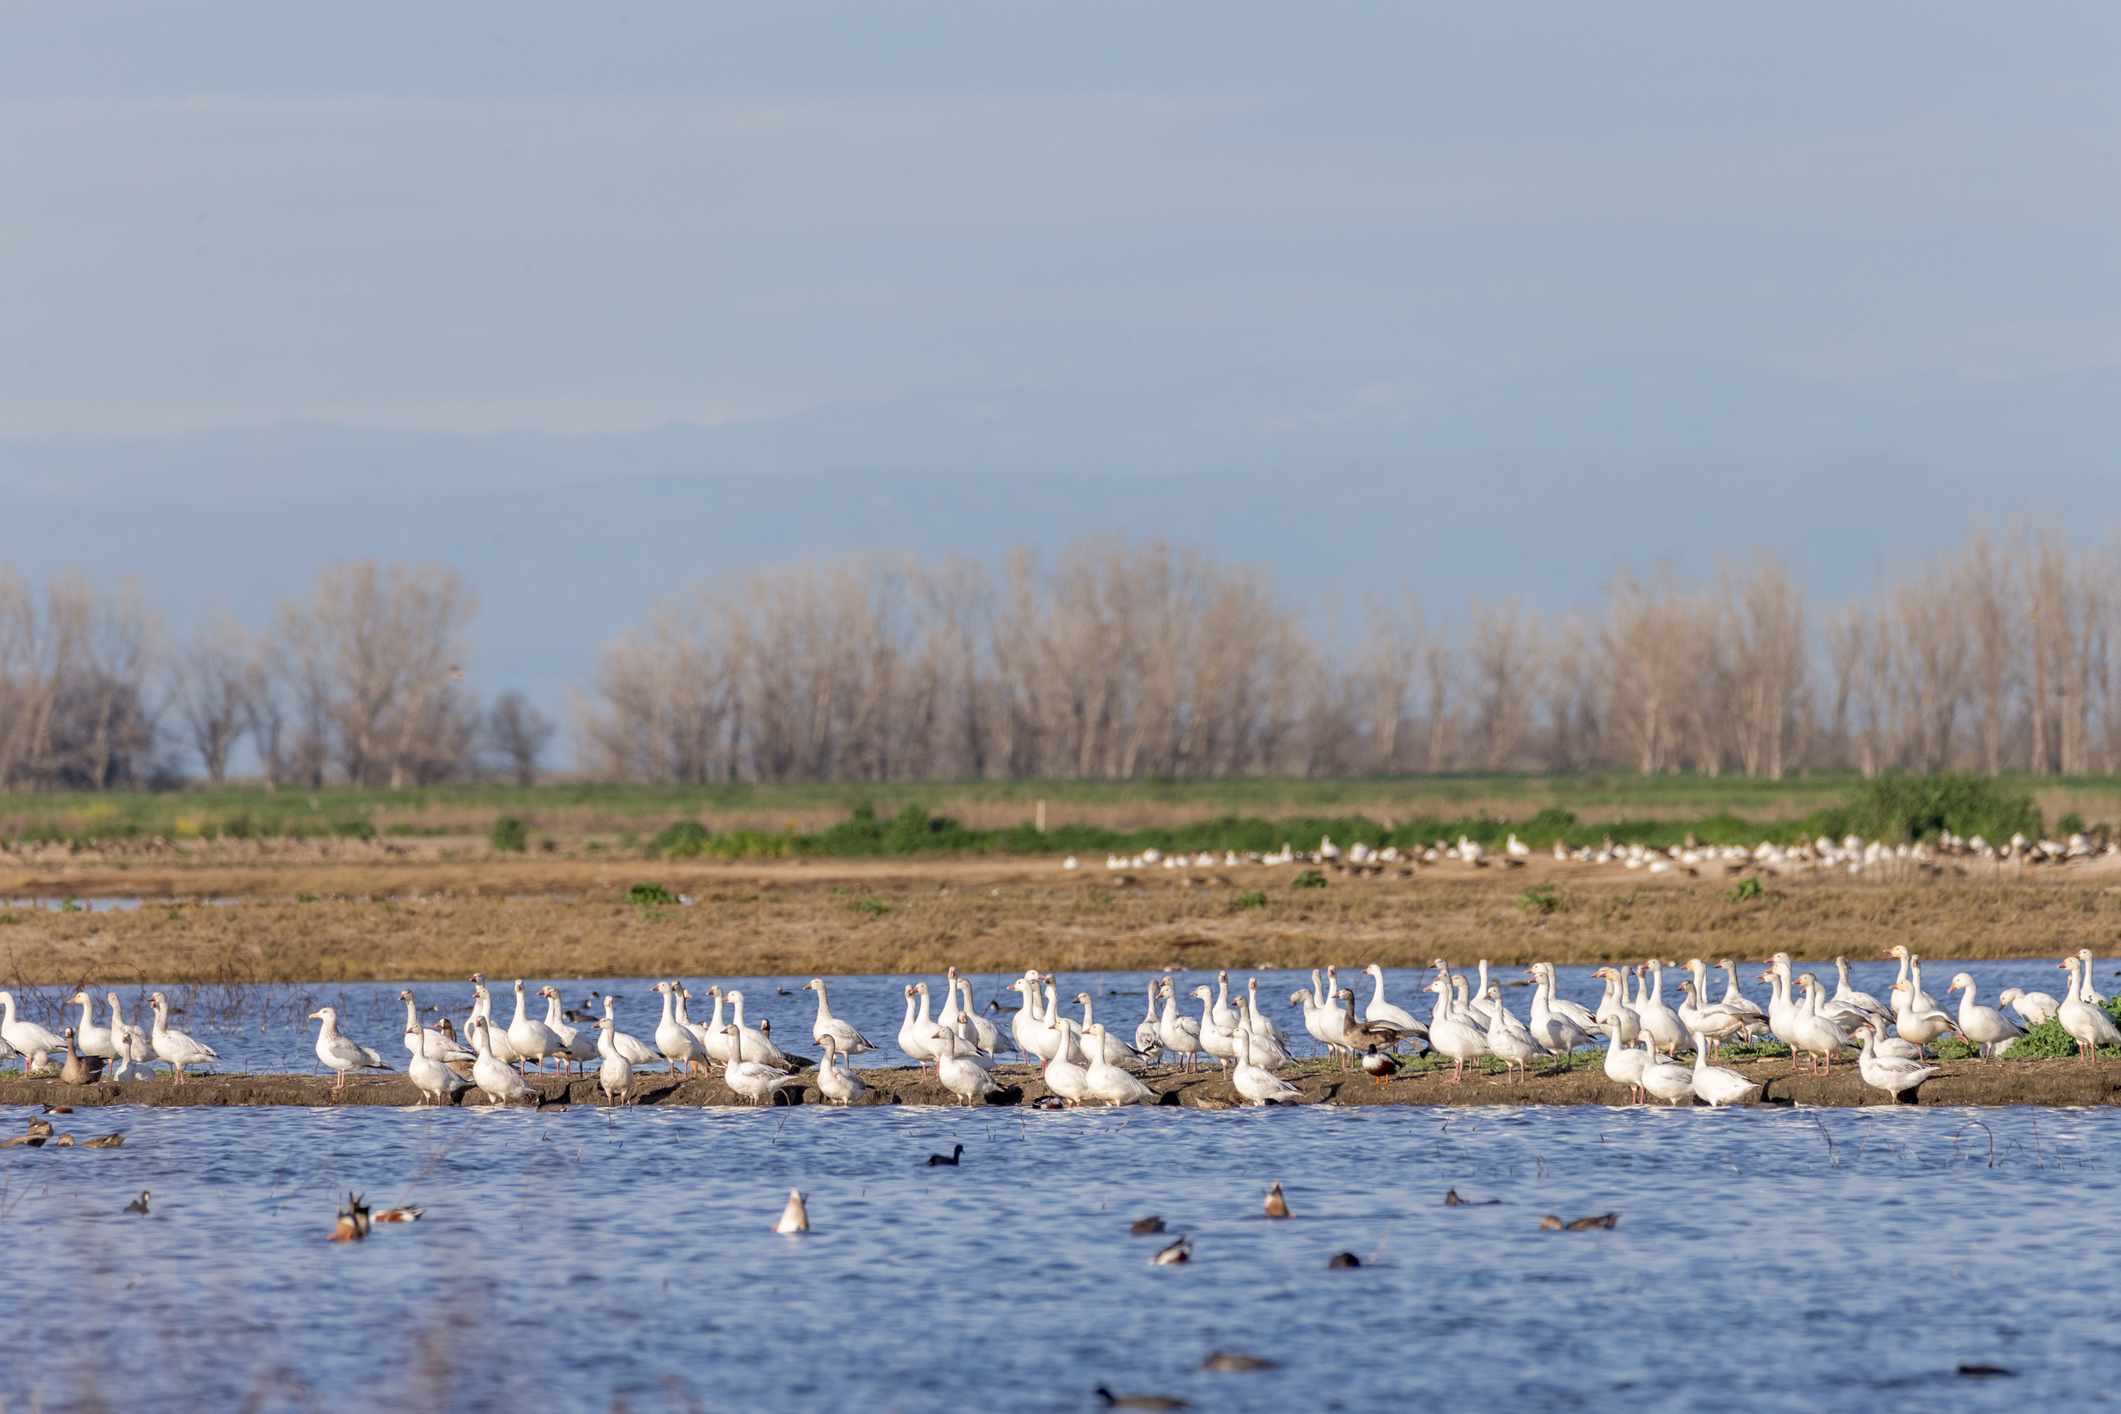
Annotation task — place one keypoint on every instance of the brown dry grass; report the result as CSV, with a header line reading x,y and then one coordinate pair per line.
x,y
571,919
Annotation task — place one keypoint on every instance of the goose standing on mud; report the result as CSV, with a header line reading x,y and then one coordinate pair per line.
x,y
1181,1035
673,1040
1108,1082
614,1071
421,1040
431,1075
578,1045
916,1038
753,1080
758,1046
174,1048
970,1083
29,1040
341,1053
90,1039
134,1046
527,1035
836,1082
630,1048
1379,1009
1148,1036
842,1033
2087,1024
496,1079
1895,1075
1986,1027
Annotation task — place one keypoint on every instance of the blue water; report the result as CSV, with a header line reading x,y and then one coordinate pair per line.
x,y
265,1028
1765,1259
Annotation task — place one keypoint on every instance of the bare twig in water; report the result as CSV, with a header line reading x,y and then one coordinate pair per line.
x,y
1833,1159
1985,1130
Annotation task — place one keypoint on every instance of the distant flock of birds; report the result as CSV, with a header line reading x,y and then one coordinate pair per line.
x,y
1082,1061
1851,854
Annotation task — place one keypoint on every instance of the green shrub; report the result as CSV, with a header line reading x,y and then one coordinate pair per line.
x,y
650,896
1309,879
870,907
509,835
353,829
1746,890
1542,899
1899,807
687,839
1250,898
2070,824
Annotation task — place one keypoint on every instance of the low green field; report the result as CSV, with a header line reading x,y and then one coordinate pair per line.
x,y
753,821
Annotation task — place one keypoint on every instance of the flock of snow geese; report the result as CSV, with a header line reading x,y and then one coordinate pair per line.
x,y
1851,854
1082,1061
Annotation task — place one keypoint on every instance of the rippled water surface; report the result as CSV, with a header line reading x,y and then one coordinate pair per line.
x,y
1764,1259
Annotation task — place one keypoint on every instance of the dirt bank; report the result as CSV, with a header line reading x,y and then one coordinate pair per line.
x,y
2063,1082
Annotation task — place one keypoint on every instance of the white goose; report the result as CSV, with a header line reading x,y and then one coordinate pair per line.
x,y
1108,1082
578,1044
339,1052
984,1031
2086,992
434,1080
482,1009
1065,1075
1891,1047
89,1038
1614,1014
2088,1024
2036,1008
1553,1030
713,1033
1181,1035
31,1041
1624,1063
758,1046
135,1047
1267,1049
1848,996
424,1040
1659,1020
1718,1085
1379,1009
1453,1034
1224,1018
1986,1027
1216,1039
970,1083
1263,1027
1738,1003
631,1049
1665,1079
527,1036
750,1079
1116,1051
1148,1037
614,1072
1508,1038
1255,1082
1920,1026
836,1082
674,1040
173,1048
1816,1033
1895,1075
916,1036
497,1080
1561,1006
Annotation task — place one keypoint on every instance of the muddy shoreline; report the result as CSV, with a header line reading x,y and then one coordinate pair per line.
x,y
1994,1083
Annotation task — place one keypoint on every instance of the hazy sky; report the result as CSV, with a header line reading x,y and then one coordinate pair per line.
x,y
591,301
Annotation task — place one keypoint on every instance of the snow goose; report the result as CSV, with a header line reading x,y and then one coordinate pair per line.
x,y
31,1041
1614,1014
631,1049
1508,1038
1116,1051
1986,1027
1561,1006
986,1032
173,1048
711,1033
1624,1063
527,1035
1920,1026
1552,1030
614,1072
2036,1008
494,1077
434,1080
758,1046
836,1082
339,1052
1666,1080
2088,1024
1911,975
1895,1075
1217,1040
1660,1020
1263,1027
674,1040
2086,992
577,1044
1181,1035
1108,1082
1719,1085
1379,1009
1148,1037
1738,1003
134,1046
970,1083
1707,1023
1453,1034
843,1033
1267,1049
916,1038
1064,1075
1816,1033
1848,996
482,1010
421,1040
1893,1047
89,1038
750,1079
1255,1082
1224,1018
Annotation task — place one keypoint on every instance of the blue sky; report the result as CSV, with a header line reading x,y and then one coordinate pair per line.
x,y
1467,299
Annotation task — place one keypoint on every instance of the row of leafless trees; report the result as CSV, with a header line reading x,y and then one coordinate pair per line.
x,y
358,682
1143,661
1114,660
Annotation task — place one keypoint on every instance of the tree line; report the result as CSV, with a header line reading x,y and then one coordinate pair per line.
x,y
1112,660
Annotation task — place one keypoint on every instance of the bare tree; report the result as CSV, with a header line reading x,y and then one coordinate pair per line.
x,y
213,681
